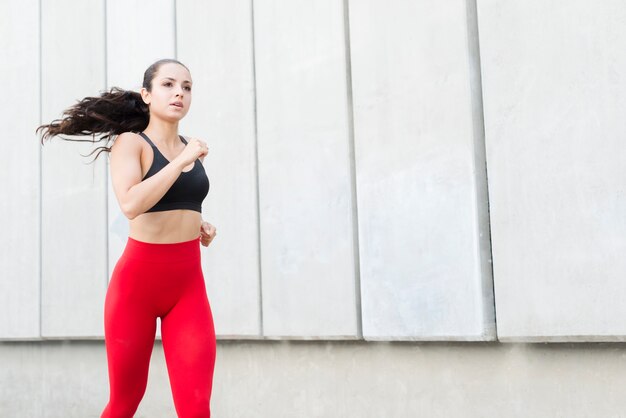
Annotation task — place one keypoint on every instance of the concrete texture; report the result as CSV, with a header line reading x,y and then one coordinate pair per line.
x,y
20,260
74,253
306,204
347,379
420,171
554,101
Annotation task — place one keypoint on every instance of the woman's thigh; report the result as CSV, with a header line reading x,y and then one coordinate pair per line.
x,y
129,331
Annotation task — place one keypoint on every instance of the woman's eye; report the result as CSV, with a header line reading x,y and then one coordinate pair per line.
x,y
188,88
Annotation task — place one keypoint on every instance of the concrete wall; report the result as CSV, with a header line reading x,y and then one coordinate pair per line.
x,y
333,379
382,172
554,101
341,214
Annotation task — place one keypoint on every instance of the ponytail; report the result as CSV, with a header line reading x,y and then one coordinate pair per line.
x,y
112,113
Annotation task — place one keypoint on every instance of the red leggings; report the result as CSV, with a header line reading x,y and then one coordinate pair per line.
x,y
166,281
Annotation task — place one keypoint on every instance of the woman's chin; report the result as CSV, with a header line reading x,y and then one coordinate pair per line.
x,y
171,117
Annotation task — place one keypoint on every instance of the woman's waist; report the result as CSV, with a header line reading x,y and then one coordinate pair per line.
x,y
173,226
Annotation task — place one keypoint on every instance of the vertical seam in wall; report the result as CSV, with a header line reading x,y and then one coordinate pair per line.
x,y
106,161
480,154
40,178
352,157
256,176
175,33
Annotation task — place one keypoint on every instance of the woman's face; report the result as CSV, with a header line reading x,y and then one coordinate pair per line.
x,y
170,97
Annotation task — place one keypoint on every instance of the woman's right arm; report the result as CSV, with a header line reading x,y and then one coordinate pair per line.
x,y
133,195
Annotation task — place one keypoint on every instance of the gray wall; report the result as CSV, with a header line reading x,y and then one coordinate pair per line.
x,y
337,379
347,165
385,172
554,101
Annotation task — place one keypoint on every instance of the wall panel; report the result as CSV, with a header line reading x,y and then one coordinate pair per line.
x,y
423,222
74,262
555,101
305,185
20,170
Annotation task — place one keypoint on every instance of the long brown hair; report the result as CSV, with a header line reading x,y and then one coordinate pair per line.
x,y
113,112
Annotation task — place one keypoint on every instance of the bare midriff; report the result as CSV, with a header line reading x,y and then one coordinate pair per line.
x,y
170,226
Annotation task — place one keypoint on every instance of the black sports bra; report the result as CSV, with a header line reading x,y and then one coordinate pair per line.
x,y
189,189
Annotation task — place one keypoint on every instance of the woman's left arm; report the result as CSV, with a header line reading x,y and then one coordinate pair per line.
x,y
207,231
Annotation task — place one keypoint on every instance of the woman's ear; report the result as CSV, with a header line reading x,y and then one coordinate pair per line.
x,y
145,95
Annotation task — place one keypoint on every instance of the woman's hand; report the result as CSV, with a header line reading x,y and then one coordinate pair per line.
x,y
195,148
207,233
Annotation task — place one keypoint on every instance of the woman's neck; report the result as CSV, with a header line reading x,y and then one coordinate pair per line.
x,y
164,132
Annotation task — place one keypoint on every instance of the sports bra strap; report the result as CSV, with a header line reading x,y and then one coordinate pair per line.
x,y
144,136
152,143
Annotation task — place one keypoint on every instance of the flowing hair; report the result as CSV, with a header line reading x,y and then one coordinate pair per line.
x,y
112,113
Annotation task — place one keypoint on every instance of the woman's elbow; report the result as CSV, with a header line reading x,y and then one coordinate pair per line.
x,y
129,210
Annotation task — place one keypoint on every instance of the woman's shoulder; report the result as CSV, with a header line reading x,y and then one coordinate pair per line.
x,y
129,140
128,134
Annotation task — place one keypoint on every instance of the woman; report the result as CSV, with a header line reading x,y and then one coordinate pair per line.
x,y
160,183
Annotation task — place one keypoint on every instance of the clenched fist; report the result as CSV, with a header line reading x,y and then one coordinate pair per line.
x,y
207,233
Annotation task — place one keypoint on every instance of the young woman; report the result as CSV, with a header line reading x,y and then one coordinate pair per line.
x,y
160,183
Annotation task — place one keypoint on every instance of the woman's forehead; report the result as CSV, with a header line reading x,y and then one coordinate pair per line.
x,y
175,72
